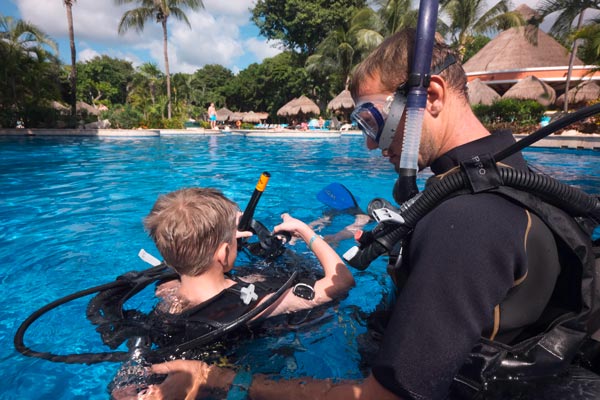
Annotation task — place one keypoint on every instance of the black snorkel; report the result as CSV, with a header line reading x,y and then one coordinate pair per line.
x,y
268,246
417,84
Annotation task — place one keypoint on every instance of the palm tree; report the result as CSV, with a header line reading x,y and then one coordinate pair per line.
x,y
342,48
469,18
161,10
589,52
568,11
23,44
73,73
24,37
398,14
143,91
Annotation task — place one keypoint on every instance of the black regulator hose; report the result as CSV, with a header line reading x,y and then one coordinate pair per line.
x,y
135,279
384,237
547,130
84,358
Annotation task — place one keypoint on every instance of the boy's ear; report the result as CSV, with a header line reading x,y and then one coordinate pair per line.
x,y
222,254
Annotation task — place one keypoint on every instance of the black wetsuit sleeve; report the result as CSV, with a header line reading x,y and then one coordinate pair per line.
x,y
463,258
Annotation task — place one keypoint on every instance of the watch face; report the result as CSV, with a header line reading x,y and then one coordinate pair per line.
x,y
304,291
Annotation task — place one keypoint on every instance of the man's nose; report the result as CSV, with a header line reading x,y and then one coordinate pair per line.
x,y
371,144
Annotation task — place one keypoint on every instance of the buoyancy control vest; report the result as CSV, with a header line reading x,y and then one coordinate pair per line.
x,y
176,333
212,314
549,345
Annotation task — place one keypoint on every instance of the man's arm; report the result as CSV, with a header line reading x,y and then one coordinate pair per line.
x,y
189,378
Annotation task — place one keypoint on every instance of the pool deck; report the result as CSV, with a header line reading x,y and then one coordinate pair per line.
x,y
566,140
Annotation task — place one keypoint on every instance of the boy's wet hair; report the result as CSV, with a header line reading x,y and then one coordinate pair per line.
x,y
188,225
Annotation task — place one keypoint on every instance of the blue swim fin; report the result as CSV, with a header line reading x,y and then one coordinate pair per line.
x,y
338,197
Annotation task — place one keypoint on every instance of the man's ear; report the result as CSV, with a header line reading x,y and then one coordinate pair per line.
x,y
436,95
222,254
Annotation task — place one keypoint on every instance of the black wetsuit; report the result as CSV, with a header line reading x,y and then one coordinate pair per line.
x,y
462,261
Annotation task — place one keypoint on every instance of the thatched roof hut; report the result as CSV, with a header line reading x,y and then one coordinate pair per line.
x,y
59,106
519,52
532,88
223,114
237,116
580,94
284,111
262,115
480,93
512,50
251,116
90,109
342,101
300,106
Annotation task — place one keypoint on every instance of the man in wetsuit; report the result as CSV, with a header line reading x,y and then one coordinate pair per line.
x,y
473,264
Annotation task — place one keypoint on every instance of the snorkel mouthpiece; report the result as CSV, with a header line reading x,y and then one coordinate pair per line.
x,y
405,187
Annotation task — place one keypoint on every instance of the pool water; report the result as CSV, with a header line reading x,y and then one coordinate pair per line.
x,y
71,215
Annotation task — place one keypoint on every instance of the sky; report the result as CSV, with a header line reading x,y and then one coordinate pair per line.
x,y
222,33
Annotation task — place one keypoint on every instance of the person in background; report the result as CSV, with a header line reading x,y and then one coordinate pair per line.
x,y
321,122
479,270
212,116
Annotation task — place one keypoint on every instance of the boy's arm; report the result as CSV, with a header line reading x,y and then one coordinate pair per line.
x,y
337,280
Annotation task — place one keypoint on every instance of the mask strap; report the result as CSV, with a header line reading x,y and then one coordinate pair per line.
x,y
448,61
393,118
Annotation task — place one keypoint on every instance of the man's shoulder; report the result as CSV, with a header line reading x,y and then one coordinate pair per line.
x,y
471,216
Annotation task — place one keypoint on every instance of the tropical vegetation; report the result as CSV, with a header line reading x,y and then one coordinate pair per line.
x,y
322,40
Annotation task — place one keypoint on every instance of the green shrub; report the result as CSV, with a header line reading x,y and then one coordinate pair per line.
x,y
524,113
123,117
173,123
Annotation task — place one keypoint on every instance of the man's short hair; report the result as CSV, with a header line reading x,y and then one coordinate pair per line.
x,y
392,59
188,225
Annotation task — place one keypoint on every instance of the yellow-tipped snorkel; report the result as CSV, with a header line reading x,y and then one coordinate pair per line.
x,y
246,218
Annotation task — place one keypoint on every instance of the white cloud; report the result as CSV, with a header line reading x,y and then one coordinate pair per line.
x,y
234,8
215,37
87,54
261,48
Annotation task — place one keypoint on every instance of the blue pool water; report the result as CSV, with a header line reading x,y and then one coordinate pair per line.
x,y
70,218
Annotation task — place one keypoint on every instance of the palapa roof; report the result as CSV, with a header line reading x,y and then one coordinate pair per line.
x,y
301,105
511,50
533,89
251,116
58,106
480,93
582,93
237,116
90,109
223,114
529,14
342,101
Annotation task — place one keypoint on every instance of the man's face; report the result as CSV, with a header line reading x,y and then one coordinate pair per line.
x,y
371,91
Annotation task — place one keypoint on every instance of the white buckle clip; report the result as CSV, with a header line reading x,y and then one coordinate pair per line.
x,y
247,294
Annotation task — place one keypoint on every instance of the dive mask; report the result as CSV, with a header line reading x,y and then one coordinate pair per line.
x,y
370,116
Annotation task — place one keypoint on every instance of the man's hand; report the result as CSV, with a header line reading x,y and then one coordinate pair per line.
x,y
183,381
